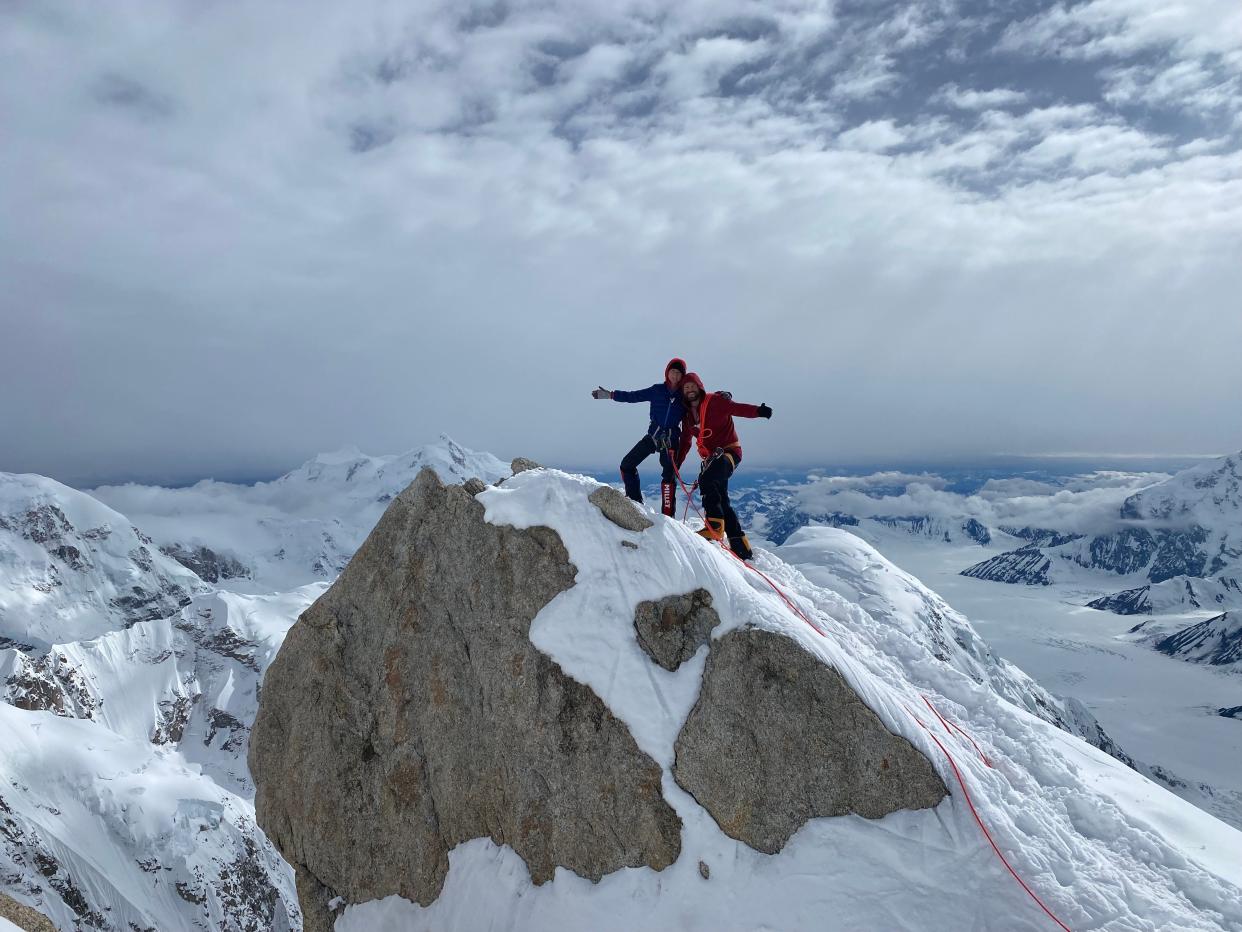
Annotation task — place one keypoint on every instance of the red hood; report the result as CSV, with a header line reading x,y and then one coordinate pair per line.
x,y
693,377
675,362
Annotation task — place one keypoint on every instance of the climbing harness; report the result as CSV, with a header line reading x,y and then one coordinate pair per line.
x,y
662,437
949,726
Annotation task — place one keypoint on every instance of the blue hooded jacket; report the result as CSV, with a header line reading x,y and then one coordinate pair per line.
x,y
666,405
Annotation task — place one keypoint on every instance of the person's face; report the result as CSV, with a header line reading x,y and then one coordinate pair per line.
x,y
674,377
690,391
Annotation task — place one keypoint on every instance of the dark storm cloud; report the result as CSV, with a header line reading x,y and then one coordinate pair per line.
x,y
236,235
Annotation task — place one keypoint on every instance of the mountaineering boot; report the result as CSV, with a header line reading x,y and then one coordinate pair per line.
x,y
713,530
741,547
668,499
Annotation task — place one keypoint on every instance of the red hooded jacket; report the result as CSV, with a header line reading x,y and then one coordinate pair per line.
x,y
711,427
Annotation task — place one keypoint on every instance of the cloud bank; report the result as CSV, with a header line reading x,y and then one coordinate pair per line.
x,y
239,234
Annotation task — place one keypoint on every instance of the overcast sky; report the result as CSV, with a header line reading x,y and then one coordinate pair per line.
x,y
235,234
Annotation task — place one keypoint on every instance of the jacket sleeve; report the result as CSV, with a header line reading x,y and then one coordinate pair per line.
x,y
736,407
643,394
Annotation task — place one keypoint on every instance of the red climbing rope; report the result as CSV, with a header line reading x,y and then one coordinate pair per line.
x,y
949,726
777,589
983,828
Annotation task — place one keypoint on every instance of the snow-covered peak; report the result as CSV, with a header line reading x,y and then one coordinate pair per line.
x,y
73,568
299,528
1204,495
355,473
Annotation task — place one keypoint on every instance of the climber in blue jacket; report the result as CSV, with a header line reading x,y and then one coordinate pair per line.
x,y
663,433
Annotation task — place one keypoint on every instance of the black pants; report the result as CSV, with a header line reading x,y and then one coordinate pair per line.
x,y
714,487
629,466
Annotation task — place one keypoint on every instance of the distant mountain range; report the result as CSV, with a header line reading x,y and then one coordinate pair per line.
x,y
1177,545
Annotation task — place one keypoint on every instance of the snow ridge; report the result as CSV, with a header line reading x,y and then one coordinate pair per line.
x,y
300,528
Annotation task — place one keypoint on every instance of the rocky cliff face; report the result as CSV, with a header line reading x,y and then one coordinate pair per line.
x,y
409,711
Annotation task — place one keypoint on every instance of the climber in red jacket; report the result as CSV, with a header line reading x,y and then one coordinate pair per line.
x,y
709,421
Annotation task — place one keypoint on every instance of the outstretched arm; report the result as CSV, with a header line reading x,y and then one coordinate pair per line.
x,y
643,394
743,410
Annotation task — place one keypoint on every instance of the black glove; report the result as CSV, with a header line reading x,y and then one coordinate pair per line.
x,y
601,392
765,411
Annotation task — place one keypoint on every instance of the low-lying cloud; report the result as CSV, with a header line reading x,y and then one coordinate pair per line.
x,y
1089,503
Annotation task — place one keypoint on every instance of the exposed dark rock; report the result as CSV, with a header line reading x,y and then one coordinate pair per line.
x,y
977,531
246,893
672,629
474,485
207,563
58,880
1216,641
142,558
779,513
142,605
1027,565
174,715
521,464
220,721
777,737
44,524
618,509
408,712
1233,712
1179,553
191,894
1127,551
912,524
1126,602
50,683
71,556
1040,536
221,640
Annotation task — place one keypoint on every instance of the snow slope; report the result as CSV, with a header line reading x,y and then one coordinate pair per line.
x,y
73,568
189,681
155,716
1104,847
107,832
848,565
300,528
